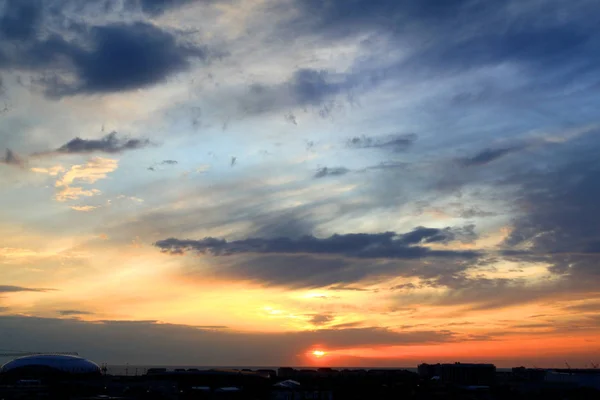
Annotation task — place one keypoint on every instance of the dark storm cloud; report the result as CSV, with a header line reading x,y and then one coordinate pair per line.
x,y
12,158
110,143
129,57
398,142
15,289
182,344
489,155
20,19
74,312
109,58
357,245
331,171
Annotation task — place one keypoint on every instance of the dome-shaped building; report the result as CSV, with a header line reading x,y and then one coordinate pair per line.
x,y
49,366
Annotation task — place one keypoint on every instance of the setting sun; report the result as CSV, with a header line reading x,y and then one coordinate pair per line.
x,y
318,353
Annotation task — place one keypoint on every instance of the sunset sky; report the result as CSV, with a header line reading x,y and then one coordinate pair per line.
x,y
246,182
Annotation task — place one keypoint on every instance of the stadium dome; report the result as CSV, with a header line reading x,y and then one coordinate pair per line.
x,y
48,365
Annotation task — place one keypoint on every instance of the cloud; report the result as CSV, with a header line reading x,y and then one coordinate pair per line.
x,y
90,59
83,208
334,263
346,325
94,170
305,87
15,289
52,171
387,165
347,288
357,245
331,171
74,312
405,286
559,216
584,307
110,144
399,142
489,155
321,319
20,19
444,39
13,159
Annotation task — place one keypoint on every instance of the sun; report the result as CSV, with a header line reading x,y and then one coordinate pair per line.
x,y
318,353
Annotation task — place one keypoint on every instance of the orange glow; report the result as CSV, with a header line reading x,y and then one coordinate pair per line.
x,y
318,353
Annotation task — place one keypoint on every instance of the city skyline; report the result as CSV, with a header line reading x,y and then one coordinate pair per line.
x,y
300,182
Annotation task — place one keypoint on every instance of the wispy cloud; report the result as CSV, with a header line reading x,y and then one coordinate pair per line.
x,y
489,155
74,312
83,208
16,289
399,142
164,162
110,144
331,171
89,173
52,171
361,245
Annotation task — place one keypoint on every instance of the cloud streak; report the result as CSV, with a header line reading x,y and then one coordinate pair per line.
x,y
396,143
16,289
94,170
324,172
110,144
488,156
360,245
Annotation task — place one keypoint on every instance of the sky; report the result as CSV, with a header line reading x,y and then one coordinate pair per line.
x,y
245,182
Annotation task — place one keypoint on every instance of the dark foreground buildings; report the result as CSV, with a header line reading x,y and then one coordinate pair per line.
x,y
74,378
459,373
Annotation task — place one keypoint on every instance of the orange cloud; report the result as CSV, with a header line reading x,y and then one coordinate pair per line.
x,y
94,170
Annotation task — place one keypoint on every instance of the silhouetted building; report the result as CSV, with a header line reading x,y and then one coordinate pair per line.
x,y
582,378
293,390
49,367
459,373
528,374
286,372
